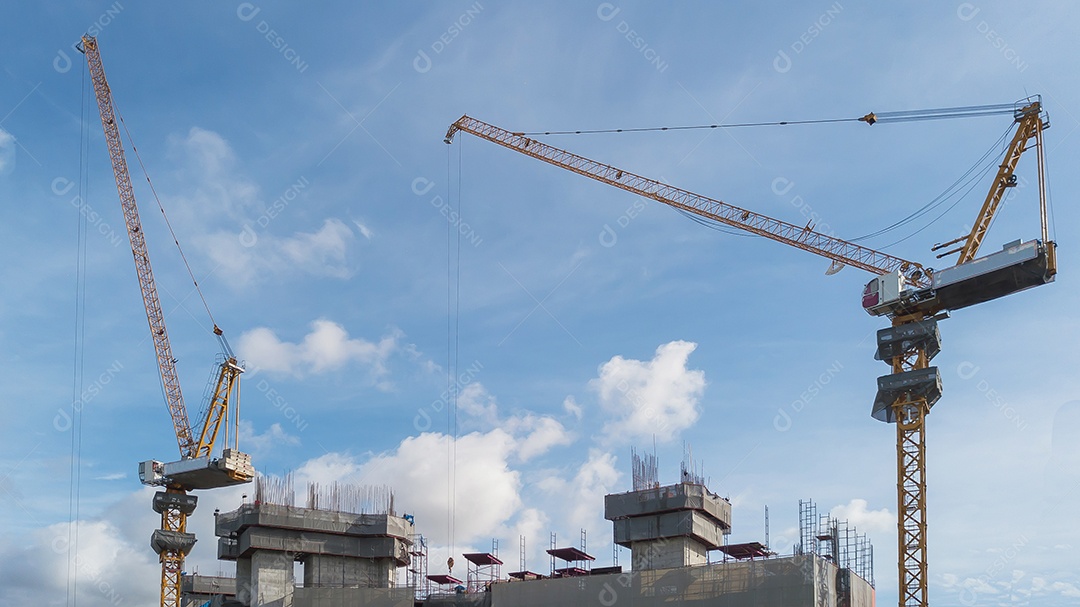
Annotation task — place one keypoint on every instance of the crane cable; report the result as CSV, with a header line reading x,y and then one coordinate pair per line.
x,y
690,127
967,111
172,233
75,422
453,318
970,179
949,191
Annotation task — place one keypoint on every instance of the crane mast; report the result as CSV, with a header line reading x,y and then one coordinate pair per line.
x,y
196,469
914,297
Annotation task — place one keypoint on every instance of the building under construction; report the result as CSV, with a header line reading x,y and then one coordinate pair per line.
x,y
354,550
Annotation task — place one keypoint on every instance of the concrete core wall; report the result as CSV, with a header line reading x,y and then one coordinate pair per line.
x,y
272,580
327,571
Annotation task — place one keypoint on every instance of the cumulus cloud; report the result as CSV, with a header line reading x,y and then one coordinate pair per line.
x,y
534,434
539,434
650,398
482,486
327,347
583,495
858,513
105,571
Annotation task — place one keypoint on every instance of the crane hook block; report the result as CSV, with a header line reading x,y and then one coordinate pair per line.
x,y
870,118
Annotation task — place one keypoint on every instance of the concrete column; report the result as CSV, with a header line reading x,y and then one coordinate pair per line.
x,y
272,579
243,580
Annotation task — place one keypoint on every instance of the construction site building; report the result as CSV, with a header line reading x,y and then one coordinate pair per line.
x,y
339,552
352,560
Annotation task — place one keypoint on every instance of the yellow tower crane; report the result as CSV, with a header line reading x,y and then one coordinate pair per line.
x,y
912,296
197,468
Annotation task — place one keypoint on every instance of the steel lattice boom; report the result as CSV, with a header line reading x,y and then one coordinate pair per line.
x,y
174,399
805,238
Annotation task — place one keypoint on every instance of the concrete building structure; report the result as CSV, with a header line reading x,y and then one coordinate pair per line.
x,y
337,550
198,590
352,560
670,526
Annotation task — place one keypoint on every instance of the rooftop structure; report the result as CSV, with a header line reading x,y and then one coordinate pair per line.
x,y
669,526
338,550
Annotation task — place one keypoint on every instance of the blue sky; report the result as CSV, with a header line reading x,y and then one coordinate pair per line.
x,y
298,152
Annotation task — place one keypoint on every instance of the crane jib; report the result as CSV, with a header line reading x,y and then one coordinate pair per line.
x,y
802,237
155,315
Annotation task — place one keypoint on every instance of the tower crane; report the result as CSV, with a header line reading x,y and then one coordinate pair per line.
x,y
912,296
198,467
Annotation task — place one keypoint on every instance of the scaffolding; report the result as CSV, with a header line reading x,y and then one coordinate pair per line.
x,y
836,540
417,572
808,520
578,562
483,569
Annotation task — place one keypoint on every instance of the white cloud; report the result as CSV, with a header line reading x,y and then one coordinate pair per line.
x,y
534,434
486,488
872,522
249,256
654,398
258,445
542,433
107,570
327,347
327,468
475,401
214,187
7,151
115,476
216,192
571,407
364,230
1065,589
582,497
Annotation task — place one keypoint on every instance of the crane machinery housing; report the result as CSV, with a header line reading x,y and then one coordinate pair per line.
x,y
914,297
200,466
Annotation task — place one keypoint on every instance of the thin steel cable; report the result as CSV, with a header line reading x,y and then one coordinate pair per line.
x,y
457,337
950,191
968,111
172,233
943,213
449,349
689,127
75,468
